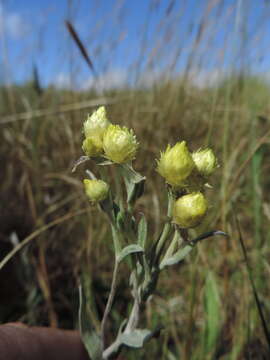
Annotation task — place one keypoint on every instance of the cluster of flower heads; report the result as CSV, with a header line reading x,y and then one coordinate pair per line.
x,y
102,138
186,172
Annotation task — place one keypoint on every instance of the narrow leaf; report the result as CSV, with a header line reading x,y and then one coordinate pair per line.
x,y
80,161
89,336
212,311
142,231
134,182
207,235
177,257
105,162
130,249
253,286
184,251
135,339
131,174
138,337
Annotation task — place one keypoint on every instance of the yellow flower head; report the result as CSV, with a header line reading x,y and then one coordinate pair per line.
x,y
176,164
120,144
89,147
95,126
205,161
96,190
189,210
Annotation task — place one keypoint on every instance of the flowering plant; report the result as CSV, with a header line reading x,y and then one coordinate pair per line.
x,y
186,174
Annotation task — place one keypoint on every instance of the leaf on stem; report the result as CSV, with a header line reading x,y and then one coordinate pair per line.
x,y
116,240
134,182
89,336
128,250
134,339
80,161
138,337
142,232
207,235
184,251
105,163
177,257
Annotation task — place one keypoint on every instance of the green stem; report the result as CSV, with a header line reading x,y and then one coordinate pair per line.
x,y
175,241
116,239
165,233
119,193
134,316
109,302
117,250
168,226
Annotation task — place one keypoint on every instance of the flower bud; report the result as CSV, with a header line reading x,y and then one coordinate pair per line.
x,y
205,161
95,126
176,164
96,190
189,210
120,144
89,147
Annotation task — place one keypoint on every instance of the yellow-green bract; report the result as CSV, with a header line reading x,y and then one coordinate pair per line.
x,y
96,190
119,144
205,161
189,210
176,164
95,127
89,147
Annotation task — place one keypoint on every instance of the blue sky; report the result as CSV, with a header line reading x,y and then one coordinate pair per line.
x,y
130,41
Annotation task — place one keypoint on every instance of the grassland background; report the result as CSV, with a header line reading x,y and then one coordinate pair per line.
x,y
206,303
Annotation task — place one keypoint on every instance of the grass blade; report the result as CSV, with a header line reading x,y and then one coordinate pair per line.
x,y
252,283
212,308
80,45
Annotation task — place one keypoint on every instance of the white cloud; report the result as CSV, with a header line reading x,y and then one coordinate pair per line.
x,y
13,24
207,78
117,79
112,79
62,81
150,78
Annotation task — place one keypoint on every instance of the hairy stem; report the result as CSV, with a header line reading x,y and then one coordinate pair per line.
x,y
109,302
167,228
134,316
